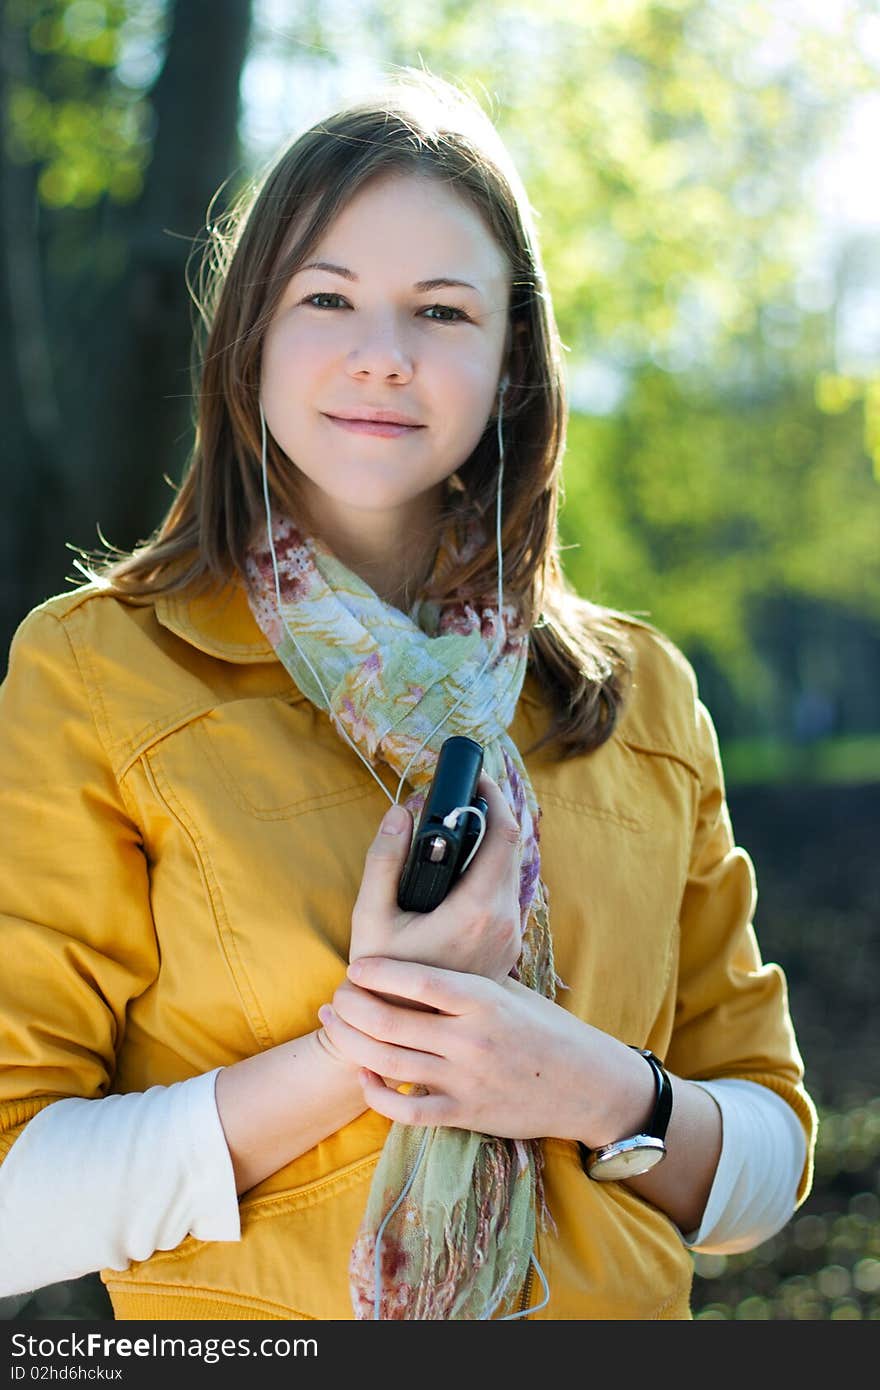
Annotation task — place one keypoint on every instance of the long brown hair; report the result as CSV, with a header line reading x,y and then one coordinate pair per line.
x,y
417,124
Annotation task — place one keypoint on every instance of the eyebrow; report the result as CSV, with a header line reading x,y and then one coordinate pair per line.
x,y
421,286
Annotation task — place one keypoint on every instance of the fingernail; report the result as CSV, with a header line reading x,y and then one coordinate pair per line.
x,y
325,1012
394,820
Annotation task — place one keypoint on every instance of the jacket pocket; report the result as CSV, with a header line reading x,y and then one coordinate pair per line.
x,y
291,1261
254,879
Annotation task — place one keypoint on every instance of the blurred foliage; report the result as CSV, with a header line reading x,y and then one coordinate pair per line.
x,y
708,505
724,440
723,456
824,760
666,144
825,1265
79,110
838,761
724,435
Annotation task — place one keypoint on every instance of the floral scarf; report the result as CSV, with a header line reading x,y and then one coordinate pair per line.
x,y
454,1239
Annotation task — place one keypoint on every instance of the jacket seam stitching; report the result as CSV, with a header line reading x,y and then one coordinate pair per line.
x,y
342,796
310,1194
267,1208
253,1014
670,1301
568,803
669,753
159,729
95,702
77,597
150,734
186,1291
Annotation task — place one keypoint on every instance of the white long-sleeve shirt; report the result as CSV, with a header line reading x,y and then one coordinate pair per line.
x,y
66,1186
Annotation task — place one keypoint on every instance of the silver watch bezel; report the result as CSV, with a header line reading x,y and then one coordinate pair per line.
x,y
601,1165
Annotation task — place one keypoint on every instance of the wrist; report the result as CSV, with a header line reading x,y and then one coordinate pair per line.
x,y
644,1146
620,1096
327,1052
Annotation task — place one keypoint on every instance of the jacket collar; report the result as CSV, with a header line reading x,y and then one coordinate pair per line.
x,y
218,621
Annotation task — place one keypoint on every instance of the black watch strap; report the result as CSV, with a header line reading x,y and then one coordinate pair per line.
x,y
659,1121
663,1104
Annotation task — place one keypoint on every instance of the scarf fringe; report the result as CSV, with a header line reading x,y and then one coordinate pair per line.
x,y
431,1277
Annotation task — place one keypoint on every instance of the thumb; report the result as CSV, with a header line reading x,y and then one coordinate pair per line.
x,y
395,820
385,859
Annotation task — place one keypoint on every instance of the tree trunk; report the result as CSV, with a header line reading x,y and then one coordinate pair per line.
x,y
127,419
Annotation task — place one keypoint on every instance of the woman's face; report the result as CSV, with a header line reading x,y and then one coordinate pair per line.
x,y
374,339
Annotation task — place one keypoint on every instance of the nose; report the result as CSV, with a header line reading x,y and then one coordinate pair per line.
x,y
381,351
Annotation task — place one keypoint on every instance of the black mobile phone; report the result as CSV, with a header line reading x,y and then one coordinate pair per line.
x,y
438,852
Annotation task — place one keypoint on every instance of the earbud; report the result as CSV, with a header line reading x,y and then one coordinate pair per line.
x,y
503,384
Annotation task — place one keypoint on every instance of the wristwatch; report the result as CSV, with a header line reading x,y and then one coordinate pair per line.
x,y
628,1158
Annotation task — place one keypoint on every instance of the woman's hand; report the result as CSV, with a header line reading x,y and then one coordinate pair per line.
x,y
498,1058
477,927
493,1057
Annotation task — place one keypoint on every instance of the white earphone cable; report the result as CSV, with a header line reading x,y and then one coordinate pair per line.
x,y
499,633
475,810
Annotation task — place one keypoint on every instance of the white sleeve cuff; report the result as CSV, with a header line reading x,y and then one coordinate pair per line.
x,y
762,1157
214,1211
95,1184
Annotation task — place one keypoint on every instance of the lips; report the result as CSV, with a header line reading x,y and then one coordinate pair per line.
x,y
378,417
387,429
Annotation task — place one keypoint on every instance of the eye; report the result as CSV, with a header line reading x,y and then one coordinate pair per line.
x,y
447,308
444,308
323,294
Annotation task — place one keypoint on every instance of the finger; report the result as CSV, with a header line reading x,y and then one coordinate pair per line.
x,y
364,1051
447,991
377,895
502,844
416,1108
400,1022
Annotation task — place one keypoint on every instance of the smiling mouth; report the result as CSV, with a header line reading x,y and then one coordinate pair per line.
x,y
388,429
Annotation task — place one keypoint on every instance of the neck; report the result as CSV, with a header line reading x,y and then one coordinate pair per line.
x,y
392,551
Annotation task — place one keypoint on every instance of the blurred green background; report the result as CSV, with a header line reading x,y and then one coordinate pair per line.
x,y
704,174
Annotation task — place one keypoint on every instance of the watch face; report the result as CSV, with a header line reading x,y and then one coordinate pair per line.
x,y
627,1159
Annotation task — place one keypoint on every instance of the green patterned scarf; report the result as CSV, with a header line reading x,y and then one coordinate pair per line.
x,y
451,1215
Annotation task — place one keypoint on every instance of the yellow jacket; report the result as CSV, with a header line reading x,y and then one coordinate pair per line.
x,y
183,838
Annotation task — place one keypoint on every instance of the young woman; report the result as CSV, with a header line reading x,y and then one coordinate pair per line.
x,y
236,1077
